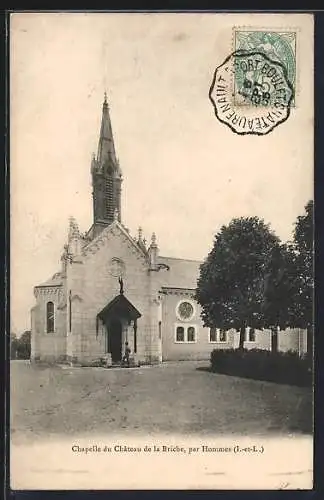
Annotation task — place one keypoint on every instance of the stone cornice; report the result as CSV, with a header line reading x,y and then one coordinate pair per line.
x,y
183,292
54,290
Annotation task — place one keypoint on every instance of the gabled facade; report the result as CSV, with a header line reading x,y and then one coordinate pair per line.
x,y
114,288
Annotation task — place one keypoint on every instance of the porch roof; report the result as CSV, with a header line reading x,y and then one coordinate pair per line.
x,y
119,307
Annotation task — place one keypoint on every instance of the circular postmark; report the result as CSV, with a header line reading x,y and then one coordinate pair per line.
x,y
251,93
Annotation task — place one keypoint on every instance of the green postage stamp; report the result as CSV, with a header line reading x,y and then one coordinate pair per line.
x,y
279,46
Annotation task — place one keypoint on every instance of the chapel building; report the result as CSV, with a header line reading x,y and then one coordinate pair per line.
x,y
114,288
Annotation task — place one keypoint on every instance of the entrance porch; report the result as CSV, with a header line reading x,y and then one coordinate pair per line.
x,y
119,318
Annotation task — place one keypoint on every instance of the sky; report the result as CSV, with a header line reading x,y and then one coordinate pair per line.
x,y
185,173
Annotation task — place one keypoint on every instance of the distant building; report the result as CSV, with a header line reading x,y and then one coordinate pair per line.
x,y
114,288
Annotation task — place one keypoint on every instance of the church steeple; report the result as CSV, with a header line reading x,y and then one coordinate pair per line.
x,y
106,176
106,146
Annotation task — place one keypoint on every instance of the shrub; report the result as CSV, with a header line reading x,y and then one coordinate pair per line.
x,y
282,367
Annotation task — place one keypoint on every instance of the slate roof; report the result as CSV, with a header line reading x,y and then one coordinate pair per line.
x,y
55,280
120,306
183,273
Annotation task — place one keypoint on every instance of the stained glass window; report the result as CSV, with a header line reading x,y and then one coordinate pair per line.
x,y
185,310
50,317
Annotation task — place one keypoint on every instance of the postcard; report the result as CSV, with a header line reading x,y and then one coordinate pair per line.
x,y
161,215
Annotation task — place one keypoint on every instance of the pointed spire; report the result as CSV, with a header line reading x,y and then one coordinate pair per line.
x,y
140,240
73,228
106,146
153,253
93,163
74,238
153,240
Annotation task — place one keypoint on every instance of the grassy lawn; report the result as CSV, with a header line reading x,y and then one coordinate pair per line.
x,y
172,398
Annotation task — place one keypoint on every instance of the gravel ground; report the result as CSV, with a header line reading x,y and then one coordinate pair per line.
x,y
179,398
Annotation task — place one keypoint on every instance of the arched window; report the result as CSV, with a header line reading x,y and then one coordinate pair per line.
x,y
191,334
50,317
185,333
252,335
222,335
180,334
249,334
217,335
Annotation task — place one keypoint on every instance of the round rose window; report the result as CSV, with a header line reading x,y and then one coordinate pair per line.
x,y
185,310
117,267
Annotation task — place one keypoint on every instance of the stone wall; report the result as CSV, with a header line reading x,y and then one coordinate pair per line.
x,y
48,347
288,340
262,340
291,339
172,350
93,287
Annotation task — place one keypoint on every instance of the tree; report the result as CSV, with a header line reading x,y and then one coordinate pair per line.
x,y
20,347
280,287
13,346
24,347
230,287
301,309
